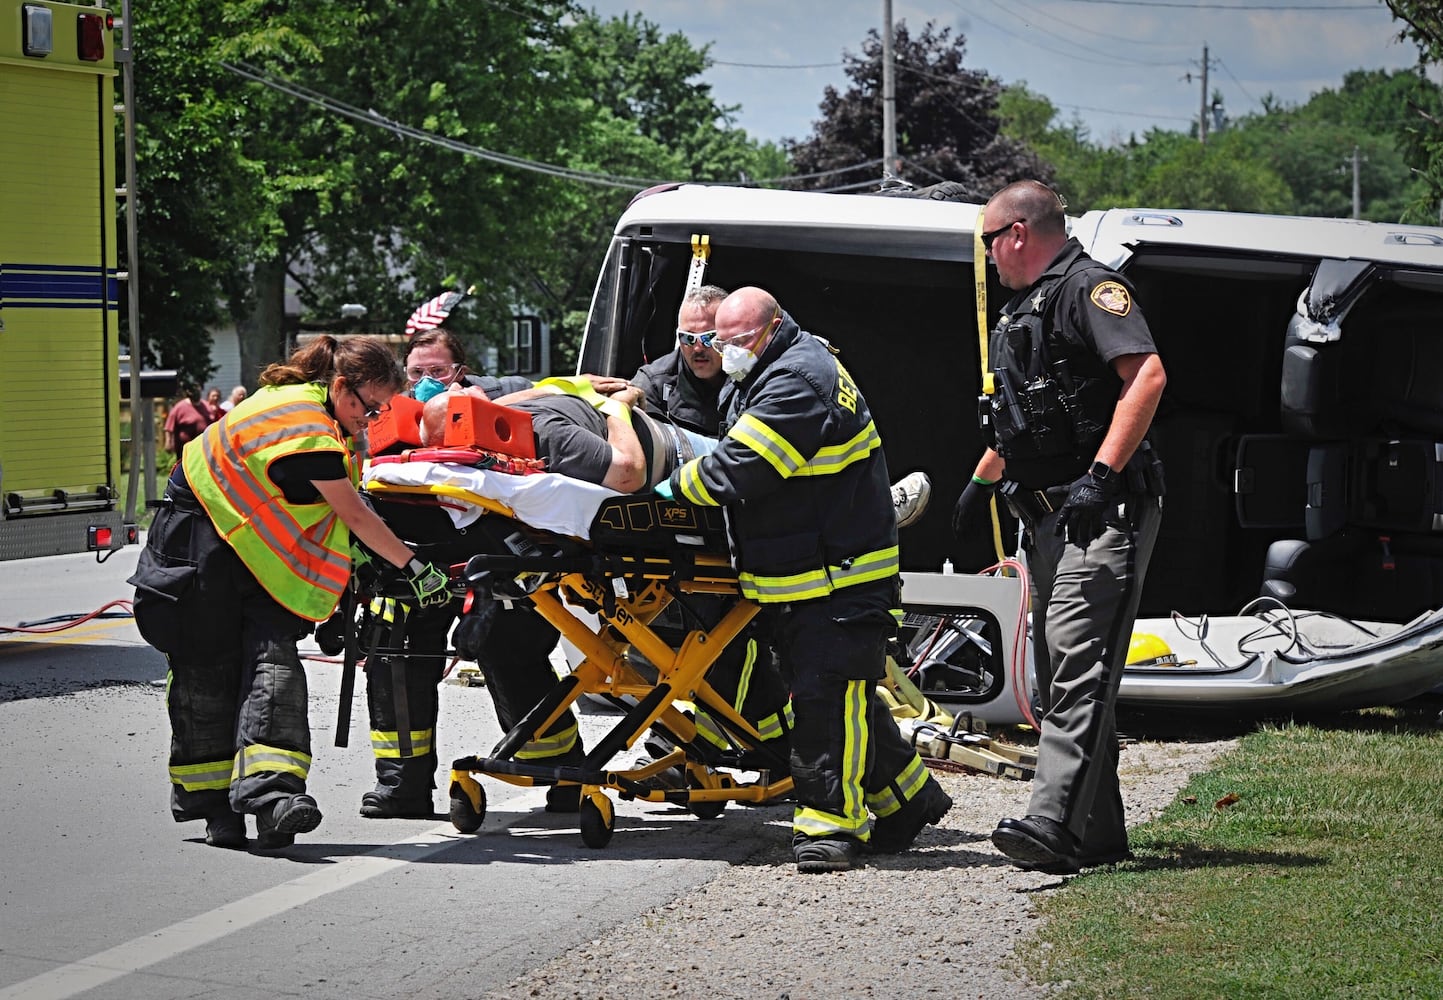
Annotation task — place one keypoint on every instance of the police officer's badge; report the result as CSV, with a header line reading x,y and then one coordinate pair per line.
x,y
1113,298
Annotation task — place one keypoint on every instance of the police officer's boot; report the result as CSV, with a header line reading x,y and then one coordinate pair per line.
x,y
403,788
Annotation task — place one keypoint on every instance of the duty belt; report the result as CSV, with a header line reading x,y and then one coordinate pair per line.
x,y
1052,498
1032,506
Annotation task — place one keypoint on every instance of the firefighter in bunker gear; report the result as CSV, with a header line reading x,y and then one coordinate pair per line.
x,y
250,546
801,473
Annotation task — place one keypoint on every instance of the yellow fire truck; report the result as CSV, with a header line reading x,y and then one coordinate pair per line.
x,y
59,405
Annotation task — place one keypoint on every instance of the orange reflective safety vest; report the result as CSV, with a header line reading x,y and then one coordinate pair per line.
x,y
300,553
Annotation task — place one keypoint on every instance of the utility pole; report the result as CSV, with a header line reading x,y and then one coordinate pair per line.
x,y
142,413
890,166
1357,189
1202,118
1355,163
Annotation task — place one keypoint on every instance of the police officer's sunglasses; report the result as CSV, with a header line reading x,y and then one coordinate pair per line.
x,y
692,339
989,238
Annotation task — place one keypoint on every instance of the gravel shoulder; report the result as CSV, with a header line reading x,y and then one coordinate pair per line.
x,y
941,919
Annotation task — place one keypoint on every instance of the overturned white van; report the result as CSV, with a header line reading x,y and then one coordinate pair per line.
x,y
1302,428
1303,421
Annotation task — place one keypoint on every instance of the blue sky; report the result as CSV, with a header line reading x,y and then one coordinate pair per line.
x,y
1119,65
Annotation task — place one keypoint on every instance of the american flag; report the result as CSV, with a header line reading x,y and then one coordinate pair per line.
x,y
432,313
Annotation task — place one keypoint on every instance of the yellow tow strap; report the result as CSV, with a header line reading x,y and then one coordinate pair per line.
x,y
700,254
979,277
979,272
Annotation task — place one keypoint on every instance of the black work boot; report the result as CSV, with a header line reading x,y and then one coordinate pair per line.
x,y
565,798
1038,843
278,821
895,833
227,829
833,853
376,805
403,789
657,747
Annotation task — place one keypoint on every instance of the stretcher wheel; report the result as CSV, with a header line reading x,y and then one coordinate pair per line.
x,y
706,810
468,805
598,820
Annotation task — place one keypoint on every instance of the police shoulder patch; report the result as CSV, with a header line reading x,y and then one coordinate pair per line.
x,y
1112,297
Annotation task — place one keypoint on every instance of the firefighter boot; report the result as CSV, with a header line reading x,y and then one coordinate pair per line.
x,y
227,829
278,821
403,789
565,798
835,853
895,833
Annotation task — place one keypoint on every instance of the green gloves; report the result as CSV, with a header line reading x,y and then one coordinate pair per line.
x,y
430,584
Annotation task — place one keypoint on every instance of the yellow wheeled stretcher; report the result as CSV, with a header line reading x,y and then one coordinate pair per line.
x,y
602,568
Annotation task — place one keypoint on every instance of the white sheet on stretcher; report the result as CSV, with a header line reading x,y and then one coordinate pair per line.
x,y
547,501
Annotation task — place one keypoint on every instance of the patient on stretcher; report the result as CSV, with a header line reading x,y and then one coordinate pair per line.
x,y
592,439
593,450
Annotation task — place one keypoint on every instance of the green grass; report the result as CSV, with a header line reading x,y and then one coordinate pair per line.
x,y
1324,879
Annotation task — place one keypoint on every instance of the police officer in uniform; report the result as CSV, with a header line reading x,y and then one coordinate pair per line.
x,y
1077,380
801,473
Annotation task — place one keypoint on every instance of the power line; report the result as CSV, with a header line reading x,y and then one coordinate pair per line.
x,y
1126,114
375,118
1111,57
1232,76
1110,36
1065,53
1227,7
566,173
825,65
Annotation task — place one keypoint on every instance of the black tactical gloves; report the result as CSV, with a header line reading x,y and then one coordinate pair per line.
x,y
971,505
1091,494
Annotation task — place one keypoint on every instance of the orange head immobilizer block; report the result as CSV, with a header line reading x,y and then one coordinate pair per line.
x,y
397,428
476,422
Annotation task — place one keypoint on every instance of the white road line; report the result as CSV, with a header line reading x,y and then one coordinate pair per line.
x,y
168,942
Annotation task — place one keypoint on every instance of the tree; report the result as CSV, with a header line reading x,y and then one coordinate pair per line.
x,y
247,191
1213,177
1423,20
947,128
647,115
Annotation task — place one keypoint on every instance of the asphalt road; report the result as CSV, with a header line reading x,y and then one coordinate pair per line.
x,y
102,894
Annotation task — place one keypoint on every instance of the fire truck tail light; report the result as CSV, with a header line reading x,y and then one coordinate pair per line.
x,y
99,538
90,37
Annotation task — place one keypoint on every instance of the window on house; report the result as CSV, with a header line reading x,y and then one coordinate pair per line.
x,y
525,346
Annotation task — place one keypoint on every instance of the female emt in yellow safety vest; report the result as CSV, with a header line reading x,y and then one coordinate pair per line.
x,y
252,543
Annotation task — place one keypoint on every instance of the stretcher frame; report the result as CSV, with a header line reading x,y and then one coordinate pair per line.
x,y
626,591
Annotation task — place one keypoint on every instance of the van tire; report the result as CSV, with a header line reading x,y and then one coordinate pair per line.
x,y
941,191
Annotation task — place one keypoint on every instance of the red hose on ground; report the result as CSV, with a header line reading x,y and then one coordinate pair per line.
x,y
61,626
1018,667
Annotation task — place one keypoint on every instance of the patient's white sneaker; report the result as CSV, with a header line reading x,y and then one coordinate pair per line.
x,y
910,496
